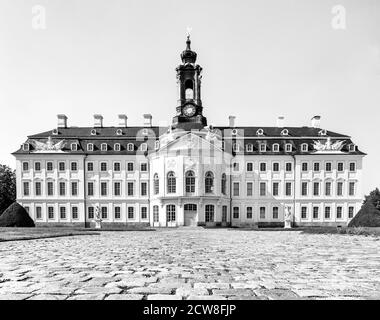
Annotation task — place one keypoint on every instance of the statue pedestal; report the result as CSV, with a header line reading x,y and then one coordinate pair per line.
x,y
98,224
288,224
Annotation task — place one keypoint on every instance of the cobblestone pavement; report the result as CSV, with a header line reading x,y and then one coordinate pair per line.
x,y
192,264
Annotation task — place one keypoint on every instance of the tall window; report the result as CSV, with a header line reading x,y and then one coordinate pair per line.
x,y
235,212
130,189
91,212
104,212
263,189
156,184
74,166
275,167
144,213
275,212
340,166
38,212
339,189
131,212
38,190
103,166
236,189
316,167
50,188
90,188
275,188
156,216
49,166
288,167
25,166
117,188
116,166
288,189
90,166
90,147
209,182
303,212
262,212
304,188
351,212
327,212
224,183
328,167
263,167
209,213
249,189
130,166
170,212
51,212
62,212
339,212
249,212
304,166
37,166
103,188
26,188
352,166
143,167
190,181
61,166
351,189
117,212
315,212
249,166
171,182
62,188
74,188
316,188
74,212
328,188
224,213
144,188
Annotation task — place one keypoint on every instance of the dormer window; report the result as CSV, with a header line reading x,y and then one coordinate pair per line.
x,y
130,147
304,147
323,132
157,145
276,147
119,132
93,132
263,147
55,132
74,147
288,147
260,132
285,132
234,132
103,147
249,147
352,148
236,147
90,147
116,147
25,147
144,147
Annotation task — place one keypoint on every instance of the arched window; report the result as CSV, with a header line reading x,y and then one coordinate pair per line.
x,y
275,147
190,181
170,212
171,182
116,146
130,147
224,183
156,184
209,212
189,89
209,182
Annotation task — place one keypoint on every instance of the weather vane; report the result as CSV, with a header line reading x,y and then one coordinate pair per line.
x,y
188,31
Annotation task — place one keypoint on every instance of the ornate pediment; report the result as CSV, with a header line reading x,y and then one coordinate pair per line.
x,y
328,146
48,146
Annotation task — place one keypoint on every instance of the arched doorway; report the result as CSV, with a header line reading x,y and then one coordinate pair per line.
x,y
190,211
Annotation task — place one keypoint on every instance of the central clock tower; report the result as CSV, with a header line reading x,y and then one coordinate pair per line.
x,y
189,105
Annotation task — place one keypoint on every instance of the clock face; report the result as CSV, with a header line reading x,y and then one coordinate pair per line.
x,y
189,110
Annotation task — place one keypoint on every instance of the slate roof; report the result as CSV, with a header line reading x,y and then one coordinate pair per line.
x,y
271,135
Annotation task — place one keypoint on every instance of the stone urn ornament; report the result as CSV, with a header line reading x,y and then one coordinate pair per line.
x,y
287,218
98,220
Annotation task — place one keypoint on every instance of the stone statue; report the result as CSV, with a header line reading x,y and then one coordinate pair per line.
x,y
98,220
287,218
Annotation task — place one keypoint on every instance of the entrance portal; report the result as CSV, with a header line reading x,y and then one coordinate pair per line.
x,y
190,214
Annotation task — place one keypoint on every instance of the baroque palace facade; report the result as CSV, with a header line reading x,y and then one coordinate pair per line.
x,y
189,173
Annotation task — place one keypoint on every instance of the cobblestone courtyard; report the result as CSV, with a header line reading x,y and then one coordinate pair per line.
x,y
192,264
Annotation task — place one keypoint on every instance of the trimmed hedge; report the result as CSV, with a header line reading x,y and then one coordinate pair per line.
x,y
16,216
368,216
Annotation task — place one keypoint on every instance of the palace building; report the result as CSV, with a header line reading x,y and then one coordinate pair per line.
x,y
190,173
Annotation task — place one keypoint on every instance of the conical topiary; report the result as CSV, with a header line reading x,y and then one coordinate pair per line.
x,y
368,216
16,216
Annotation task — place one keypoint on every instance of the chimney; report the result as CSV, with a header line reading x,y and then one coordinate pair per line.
x,y
122,120
62,121
98,121
231,120
147,120
316,121
280,121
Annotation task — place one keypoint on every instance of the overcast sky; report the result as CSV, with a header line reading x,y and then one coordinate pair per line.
x,y
261,59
